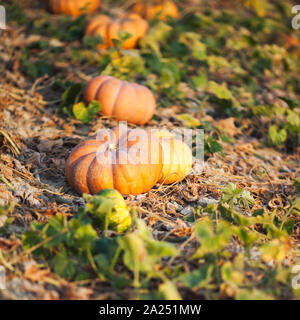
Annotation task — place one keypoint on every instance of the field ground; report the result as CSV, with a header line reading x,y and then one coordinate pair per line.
x,y
229,232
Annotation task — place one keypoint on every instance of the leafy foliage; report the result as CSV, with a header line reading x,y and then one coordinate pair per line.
x,y
86,114
75,250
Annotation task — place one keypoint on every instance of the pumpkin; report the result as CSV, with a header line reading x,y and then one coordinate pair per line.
x,y
109,29
121,99
108,210
160,9
129,161
73,7
177,158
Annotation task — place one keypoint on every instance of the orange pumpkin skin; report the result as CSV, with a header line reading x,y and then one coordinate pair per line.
x,y
73,8
123,100
109,28
177,158
128,161
161,9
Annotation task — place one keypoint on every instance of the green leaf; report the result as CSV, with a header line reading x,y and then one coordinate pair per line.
x,y
234,195
64,265
124,35
220,90
192,41
93,107
277,137
123,64
170,74
275,250
30,239
288,226
81,113
142,253
85,114
247,236
264,110
155,248
204,229
135,254
293,119
217,62
212,146
212,241
55,225
104,252
200,278
199,50
155,36
200,81
230,274
188,120
84,234
92,41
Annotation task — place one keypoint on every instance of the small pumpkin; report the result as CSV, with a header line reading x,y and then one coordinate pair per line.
x,y
129,161
108,210
161,9
73,7
109,29
177,158
121,99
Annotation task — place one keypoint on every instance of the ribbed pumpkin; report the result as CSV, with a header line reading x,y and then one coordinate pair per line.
x,y
109,29
177,158
129,161
121,99
161,9
73,7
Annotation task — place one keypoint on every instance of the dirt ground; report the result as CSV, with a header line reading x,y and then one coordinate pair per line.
x,y
36,139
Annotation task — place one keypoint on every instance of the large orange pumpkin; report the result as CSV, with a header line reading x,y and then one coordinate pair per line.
x,y
121,99
129,161
109,29
161,9
177,158
73,7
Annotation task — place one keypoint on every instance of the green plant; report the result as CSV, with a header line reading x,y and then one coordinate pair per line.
x,y
75,252
108,210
